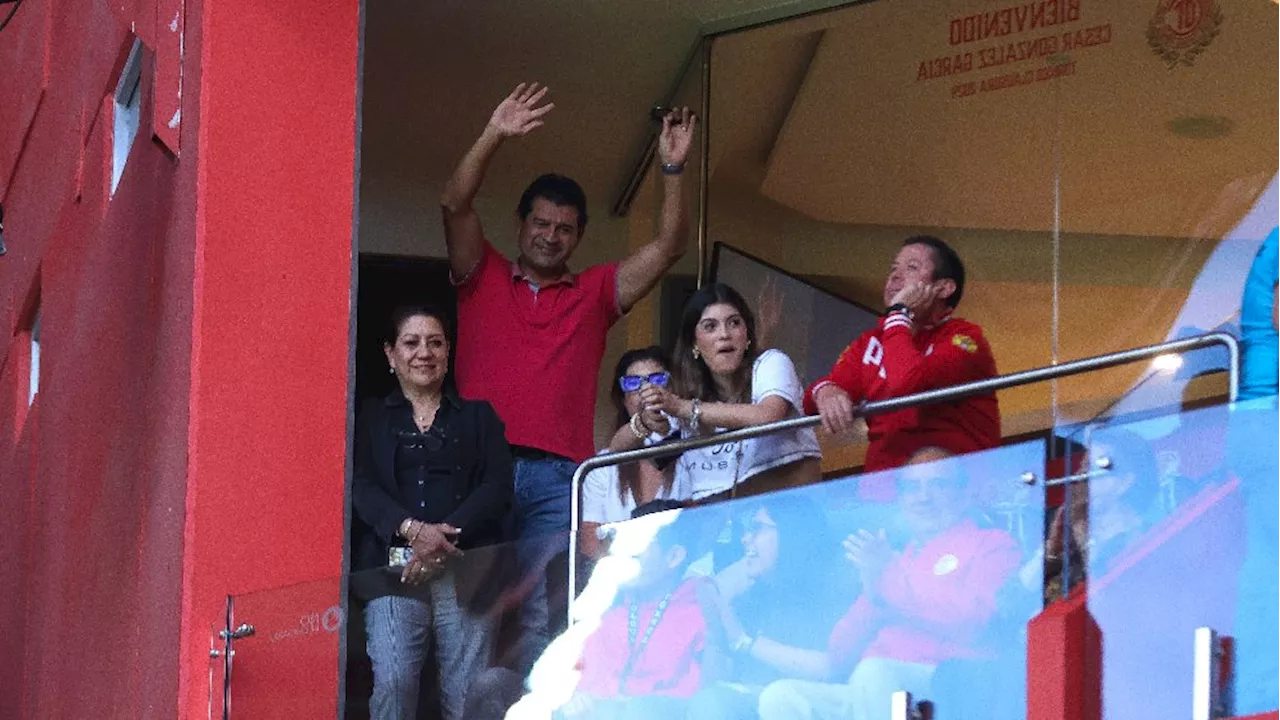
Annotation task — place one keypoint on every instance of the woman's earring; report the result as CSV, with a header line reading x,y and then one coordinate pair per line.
x,y
392,369
696,355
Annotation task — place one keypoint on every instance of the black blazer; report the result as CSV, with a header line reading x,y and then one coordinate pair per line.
x,y
482,479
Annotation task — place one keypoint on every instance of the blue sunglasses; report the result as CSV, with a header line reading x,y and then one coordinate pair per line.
x,y
632,383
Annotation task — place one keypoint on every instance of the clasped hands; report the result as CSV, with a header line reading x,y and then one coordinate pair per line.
x,y
660,404
432,544
870,554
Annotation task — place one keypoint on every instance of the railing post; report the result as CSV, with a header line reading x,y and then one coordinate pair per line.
x,y
1209,699
900,706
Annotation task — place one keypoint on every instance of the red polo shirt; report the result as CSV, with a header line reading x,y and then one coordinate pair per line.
x,y
534,354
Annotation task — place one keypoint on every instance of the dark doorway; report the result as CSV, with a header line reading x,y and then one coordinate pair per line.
x,y
386,282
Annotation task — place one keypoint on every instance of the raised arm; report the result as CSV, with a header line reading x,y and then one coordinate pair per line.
x,y
515,116
958,357
641,270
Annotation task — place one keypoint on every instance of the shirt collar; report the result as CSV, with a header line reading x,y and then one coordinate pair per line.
x,y
940,321
517,273
396,398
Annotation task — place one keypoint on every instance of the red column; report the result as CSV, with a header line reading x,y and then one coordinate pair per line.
x,y
1064,664
270,332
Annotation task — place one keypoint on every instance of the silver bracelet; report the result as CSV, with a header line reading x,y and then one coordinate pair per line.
x,y
695,415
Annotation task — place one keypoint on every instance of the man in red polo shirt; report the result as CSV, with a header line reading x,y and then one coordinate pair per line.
x,y
918,346
531,334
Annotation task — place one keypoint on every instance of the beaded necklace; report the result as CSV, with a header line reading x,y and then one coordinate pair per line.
x,y
635,651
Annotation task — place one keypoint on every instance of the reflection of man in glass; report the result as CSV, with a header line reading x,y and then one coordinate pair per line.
x,y
920,606
646,657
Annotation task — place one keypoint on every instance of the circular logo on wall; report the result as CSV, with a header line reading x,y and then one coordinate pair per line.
x,y
1180,30
332,619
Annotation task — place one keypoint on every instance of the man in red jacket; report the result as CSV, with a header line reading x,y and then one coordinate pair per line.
x,y
918,346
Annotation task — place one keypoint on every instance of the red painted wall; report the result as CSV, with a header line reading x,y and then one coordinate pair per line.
x,y
188,439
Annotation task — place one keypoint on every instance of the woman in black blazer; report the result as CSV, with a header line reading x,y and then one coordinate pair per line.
x,y
432,478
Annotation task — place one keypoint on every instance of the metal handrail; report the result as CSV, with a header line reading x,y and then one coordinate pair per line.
x,y
880,407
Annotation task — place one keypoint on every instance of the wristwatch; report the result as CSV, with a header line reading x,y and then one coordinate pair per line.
x,y
898,308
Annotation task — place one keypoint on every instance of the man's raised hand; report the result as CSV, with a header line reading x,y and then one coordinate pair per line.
x,y
677,136
519,113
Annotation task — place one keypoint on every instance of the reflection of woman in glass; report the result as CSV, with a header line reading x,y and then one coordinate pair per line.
x,y
788,554
432,475
1106,515
610,494
724,381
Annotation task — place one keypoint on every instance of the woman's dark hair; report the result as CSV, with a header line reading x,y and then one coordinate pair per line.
x,y
692,378
629,473
629,358
401,315
694,531
1130,453
807,550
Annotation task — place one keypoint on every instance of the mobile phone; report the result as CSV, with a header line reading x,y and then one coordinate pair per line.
x,y
660,111
399,556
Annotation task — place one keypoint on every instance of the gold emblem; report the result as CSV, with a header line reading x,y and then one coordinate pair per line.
x,y
965,343
1181,29
946,565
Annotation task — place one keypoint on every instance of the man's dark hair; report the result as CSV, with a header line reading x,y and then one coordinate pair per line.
x,y
946,263
692,529
557,190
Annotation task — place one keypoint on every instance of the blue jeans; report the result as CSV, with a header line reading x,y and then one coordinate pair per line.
x,y
541,519
1251,453
400,630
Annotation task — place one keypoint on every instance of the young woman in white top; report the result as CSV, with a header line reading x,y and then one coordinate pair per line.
x,y
723,380
611,493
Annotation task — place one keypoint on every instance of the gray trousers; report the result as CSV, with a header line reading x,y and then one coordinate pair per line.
x,y
400,631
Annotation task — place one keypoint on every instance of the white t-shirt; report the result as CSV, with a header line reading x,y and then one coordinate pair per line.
x,y
711,470
600,501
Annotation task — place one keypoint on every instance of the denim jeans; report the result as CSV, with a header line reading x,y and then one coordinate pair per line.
x,y
400,629
1251,453
541,519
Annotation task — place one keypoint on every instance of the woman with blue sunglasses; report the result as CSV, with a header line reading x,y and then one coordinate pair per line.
x,y
610,494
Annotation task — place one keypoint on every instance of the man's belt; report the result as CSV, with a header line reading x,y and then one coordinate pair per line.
x,y
529,453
